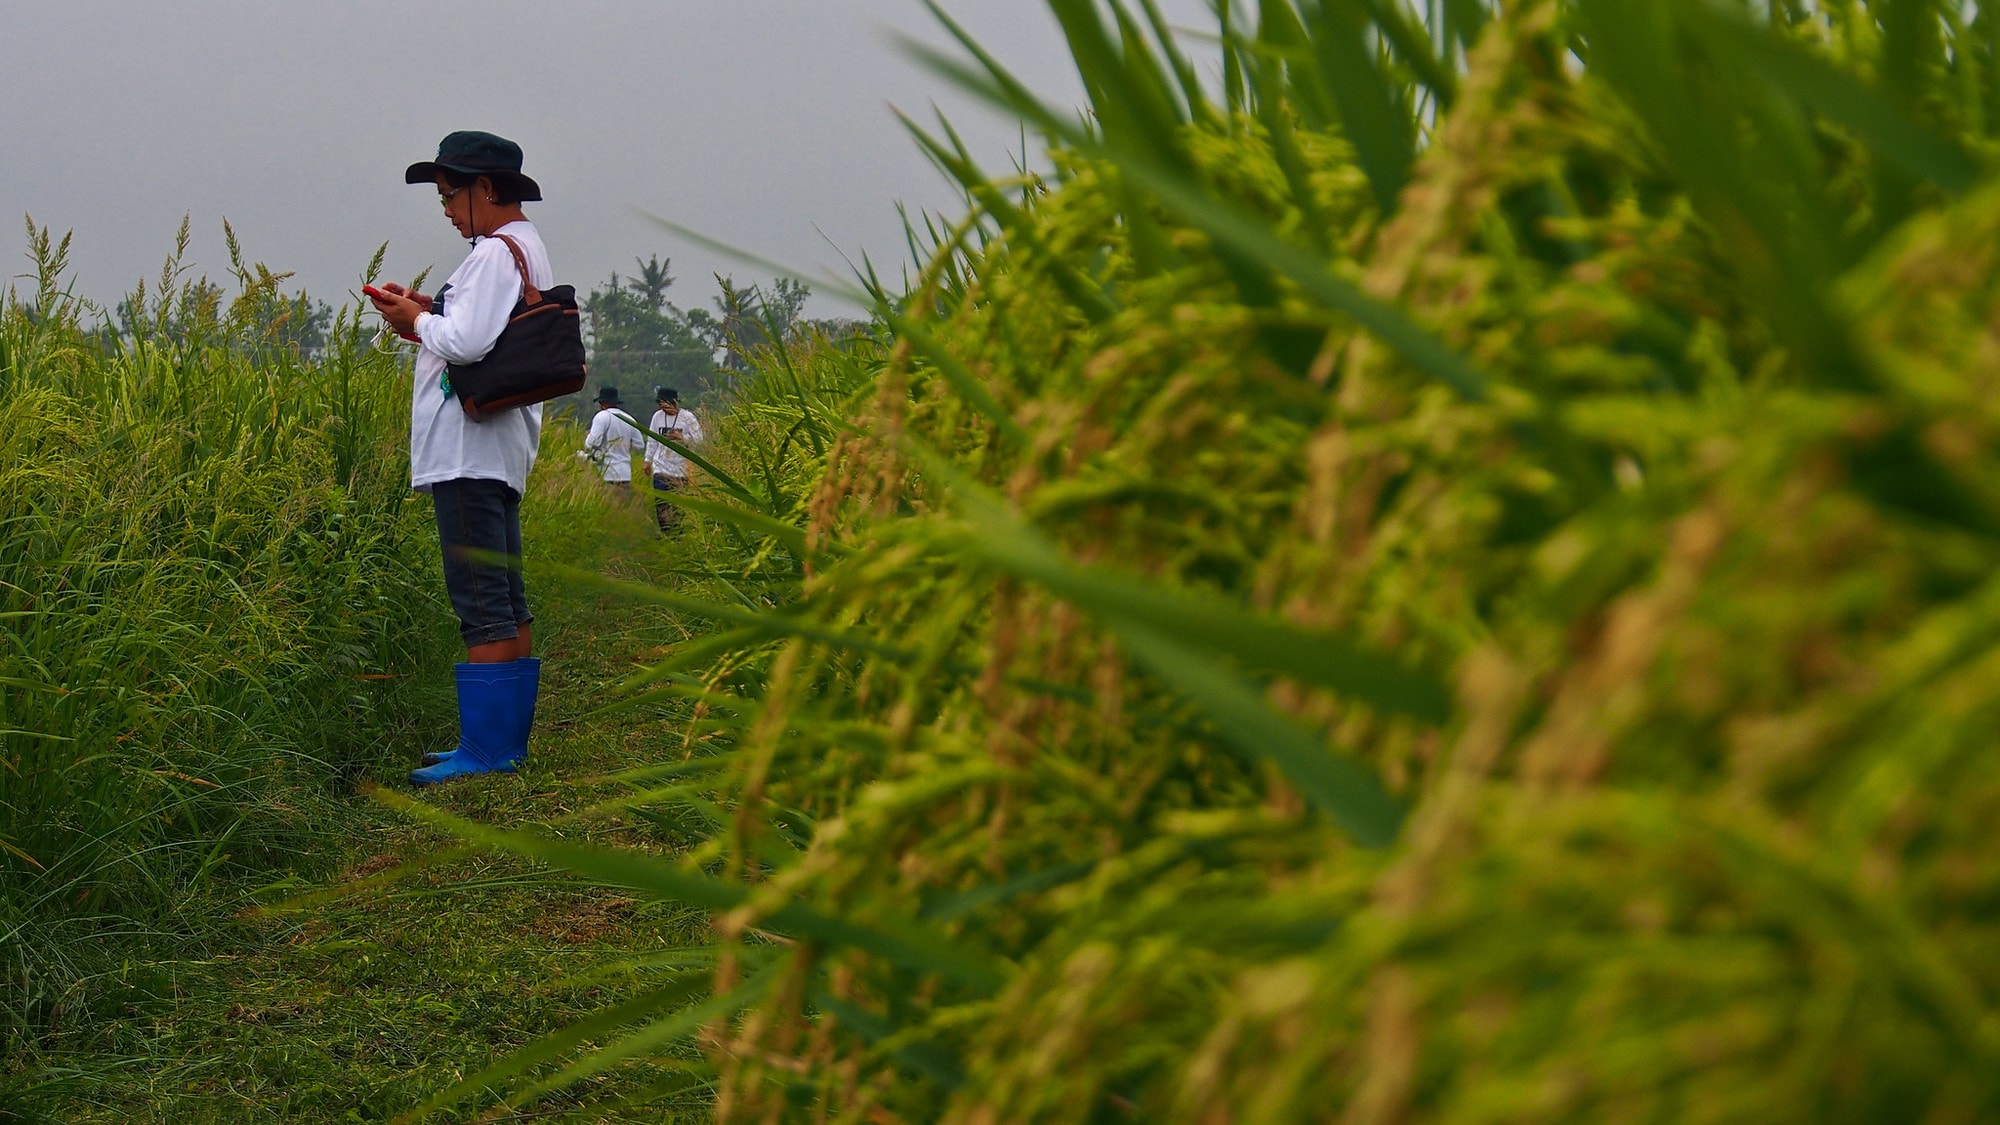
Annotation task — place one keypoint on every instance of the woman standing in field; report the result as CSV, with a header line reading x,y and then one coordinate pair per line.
x,y
476,472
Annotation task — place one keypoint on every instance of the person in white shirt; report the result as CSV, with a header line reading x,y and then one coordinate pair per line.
x,y
476,471
614,438
664,464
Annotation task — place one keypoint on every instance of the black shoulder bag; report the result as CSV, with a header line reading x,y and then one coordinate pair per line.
x,y
539,355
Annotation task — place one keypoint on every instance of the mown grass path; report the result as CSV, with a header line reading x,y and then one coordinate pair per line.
x,y
392,974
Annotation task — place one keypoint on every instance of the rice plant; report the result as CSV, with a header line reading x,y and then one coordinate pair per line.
x,y
212,582
1442,572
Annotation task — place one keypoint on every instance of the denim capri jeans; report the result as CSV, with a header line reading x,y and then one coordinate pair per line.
x,y
482,515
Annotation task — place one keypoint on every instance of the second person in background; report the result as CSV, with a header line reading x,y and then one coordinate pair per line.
x,y
664,464
614,438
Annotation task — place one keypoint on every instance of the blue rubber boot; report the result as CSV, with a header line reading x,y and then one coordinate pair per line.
x,y
528,683
529,672
464,731
489,721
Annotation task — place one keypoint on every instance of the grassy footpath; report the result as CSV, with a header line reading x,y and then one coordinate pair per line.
x,y
357,1006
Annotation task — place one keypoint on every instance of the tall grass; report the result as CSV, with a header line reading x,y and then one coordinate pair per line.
x,y
1447,575
212,580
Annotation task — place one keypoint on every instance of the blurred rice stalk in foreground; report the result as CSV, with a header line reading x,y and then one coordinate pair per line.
x,y
1446,573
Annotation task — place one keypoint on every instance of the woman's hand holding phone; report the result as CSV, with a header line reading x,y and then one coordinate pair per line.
x,y
396,290
399,306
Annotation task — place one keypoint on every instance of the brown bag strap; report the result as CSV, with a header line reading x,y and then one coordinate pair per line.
x,y
529,293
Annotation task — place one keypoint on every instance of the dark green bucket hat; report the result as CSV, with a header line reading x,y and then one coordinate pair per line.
x,y
473,153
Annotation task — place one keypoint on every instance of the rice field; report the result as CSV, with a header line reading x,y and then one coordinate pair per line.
x,y
1440,571
213,584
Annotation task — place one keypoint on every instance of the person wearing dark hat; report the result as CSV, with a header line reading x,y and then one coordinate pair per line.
x,y
664,464
614,438
476,472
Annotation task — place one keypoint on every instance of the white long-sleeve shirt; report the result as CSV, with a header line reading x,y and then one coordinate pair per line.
x,y
614,438
665,461
477,300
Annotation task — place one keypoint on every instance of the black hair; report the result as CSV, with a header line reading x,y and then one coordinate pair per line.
x,y
505,191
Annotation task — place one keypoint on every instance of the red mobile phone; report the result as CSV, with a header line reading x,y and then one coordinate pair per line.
x,y
371,291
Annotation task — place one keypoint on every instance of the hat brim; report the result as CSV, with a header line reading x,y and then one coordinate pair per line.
x,y
426,172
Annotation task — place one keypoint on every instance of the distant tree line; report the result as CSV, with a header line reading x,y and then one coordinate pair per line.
x,y
638,339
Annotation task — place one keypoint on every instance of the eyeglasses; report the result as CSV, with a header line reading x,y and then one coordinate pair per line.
x,y
445,197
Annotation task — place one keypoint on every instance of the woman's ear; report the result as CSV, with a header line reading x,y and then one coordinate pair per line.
x,y
484,186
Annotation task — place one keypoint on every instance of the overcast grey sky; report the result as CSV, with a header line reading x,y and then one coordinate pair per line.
x,y
761,123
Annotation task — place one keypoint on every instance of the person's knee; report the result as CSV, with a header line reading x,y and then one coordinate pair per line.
x,y
476,635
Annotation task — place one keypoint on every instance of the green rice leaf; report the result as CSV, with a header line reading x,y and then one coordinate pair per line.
x,y
772,622
548,1048
657,1036
735,487
1891,131
1127,88
1747,163
1343,789
1152,625
902,943
925,1057
1241,231
1320,659
698,652
1192,93
790,535
1375,116
969,386
1019,230
1406,34
952,907
1463,21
